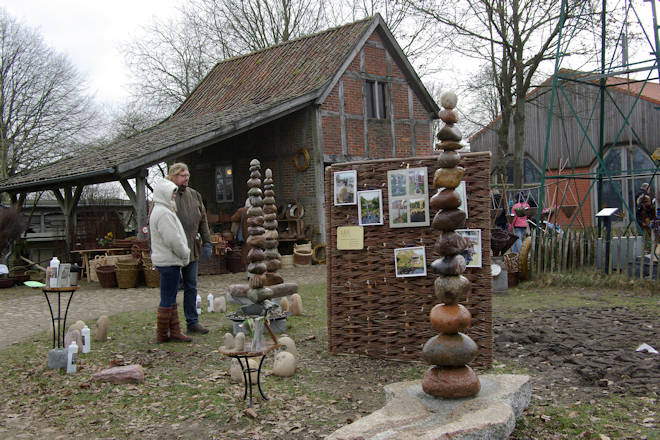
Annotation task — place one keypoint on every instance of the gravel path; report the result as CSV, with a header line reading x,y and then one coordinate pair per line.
x,y
24,311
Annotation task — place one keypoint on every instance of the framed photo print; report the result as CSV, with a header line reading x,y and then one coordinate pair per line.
x,y
473,252
408,196
370,207
410,262
345,187
63,275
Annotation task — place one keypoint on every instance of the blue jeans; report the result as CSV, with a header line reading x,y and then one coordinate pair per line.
x,y
520,232
189,276
169,282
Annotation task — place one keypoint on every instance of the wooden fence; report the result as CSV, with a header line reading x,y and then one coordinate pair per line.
x,y
575,251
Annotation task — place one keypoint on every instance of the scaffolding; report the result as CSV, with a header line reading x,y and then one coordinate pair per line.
x,y
605,78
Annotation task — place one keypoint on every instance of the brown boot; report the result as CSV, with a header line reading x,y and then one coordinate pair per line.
x,y
175,327
163,324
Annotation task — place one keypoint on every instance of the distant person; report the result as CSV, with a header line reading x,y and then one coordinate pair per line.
x,y
645,213
192,214
519,224
169,253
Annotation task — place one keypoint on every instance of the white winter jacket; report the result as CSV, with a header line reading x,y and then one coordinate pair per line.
x,y
168,239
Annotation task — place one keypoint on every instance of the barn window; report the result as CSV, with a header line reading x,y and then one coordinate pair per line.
x,y
376,96
224,184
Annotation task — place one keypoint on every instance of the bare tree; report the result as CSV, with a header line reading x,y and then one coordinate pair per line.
x,y
511,38
43,108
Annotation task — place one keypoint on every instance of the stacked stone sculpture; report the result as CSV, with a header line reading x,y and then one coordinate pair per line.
x,y
270,224
263,257
256,237
450,351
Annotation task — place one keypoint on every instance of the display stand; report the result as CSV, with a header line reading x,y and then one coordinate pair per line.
x,y
244,356
59,330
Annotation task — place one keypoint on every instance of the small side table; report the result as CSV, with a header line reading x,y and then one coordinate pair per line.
x,y
59,331
244,356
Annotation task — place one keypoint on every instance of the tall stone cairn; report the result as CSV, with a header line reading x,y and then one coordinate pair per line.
x,y
256,237
270,224
450,351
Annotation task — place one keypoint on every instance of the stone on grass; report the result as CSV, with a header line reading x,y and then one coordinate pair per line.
x,y
296,306
228,341
220,304
288,344
236,372
239,342
284,304
102,328
78,325
124,374
73,335
284,365
57,358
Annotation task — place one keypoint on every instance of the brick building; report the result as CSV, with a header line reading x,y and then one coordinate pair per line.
x,y
347,93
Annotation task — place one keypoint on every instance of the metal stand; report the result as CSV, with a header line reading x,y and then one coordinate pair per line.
x,y
59,331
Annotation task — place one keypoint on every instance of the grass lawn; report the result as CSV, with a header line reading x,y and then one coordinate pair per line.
x,y
187,391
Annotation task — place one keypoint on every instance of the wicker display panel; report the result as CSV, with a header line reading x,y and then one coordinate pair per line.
x,y
370,311
216,265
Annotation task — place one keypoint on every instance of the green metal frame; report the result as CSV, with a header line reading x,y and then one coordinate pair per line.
x,y
597,178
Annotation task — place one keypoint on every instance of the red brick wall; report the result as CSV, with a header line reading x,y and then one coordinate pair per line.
x,y
379,132
352,95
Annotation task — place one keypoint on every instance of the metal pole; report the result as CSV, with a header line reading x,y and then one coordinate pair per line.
x,y
602,84
657,39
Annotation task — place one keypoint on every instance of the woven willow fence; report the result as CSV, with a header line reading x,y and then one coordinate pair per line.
x,y
371,311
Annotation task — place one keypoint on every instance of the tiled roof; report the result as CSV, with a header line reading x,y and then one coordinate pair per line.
x,y
235,90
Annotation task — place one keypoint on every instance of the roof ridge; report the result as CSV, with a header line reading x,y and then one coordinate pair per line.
x,y
295,40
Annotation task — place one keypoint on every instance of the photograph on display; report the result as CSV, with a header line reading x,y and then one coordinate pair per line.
x,y
410,262
370,207
345,187
399,212
63,275
397,183
417,181
473,252
408,197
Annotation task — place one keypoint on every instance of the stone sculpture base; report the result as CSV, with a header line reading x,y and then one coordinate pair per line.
x,y
57,358
411,414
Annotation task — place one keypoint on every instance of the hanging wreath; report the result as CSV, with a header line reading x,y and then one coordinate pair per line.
x,y
315,254
301,159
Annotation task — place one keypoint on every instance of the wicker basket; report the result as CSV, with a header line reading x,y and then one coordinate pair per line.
x,y
107,276
287,261
501,241
151,276
127,278
131,264
235,262
302,257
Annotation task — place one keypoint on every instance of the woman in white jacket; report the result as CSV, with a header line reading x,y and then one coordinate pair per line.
x,y
169,252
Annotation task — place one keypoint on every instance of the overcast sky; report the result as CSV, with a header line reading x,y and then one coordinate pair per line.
x,y
90,32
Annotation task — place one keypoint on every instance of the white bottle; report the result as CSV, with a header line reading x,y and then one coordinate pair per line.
x,y
198,304
209,300
86,340
72,357
54,262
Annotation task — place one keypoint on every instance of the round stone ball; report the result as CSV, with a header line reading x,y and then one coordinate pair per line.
x,y
449,100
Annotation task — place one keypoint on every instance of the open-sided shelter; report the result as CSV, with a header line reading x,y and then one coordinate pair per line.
x,y
348,93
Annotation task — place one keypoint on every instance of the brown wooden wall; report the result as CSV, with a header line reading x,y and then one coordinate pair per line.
x,y
370,311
